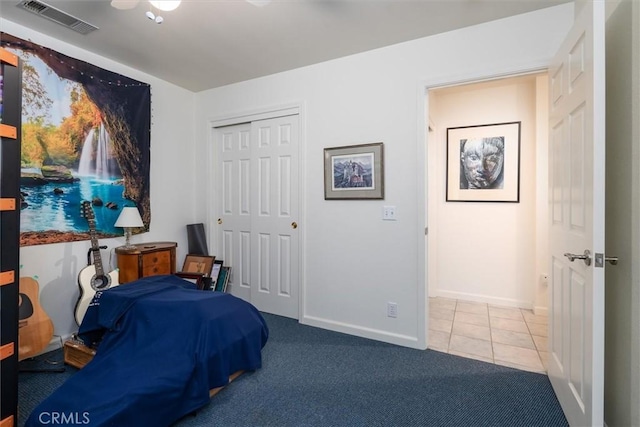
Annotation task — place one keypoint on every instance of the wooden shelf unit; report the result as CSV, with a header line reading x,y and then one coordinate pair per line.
x,y
10,142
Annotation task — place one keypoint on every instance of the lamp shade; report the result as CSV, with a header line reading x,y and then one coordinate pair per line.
x,y
165,5
129,217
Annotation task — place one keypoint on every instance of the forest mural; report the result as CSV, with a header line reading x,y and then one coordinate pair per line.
x,y
85,136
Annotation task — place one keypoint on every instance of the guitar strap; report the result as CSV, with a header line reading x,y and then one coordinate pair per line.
x,y
91,253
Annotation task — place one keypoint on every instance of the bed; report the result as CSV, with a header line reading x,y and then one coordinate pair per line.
x,y
163,345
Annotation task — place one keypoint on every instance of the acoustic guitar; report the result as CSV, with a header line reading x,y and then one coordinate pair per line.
x,y
35,327
92,278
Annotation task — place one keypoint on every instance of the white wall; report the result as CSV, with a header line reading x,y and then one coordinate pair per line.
x,y
541,277
486,251
354,263
622,239
173,196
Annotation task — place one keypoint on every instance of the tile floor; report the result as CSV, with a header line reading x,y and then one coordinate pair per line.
x,y
502,335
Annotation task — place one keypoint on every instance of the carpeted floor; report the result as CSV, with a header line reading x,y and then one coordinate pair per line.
x,y
314,377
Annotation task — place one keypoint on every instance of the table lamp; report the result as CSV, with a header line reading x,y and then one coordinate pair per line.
x,y
129,218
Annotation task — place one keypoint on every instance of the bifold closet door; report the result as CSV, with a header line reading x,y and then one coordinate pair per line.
x,y
258,205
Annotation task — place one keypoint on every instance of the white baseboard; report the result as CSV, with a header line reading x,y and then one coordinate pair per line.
x,y
541,311
56,342
359,331
504,302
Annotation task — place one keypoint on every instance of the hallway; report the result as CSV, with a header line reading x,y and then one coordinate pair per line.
x,y
505,336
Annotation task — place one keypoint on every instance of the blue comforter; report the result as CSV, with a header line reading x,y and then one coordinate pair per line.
x,y
163,346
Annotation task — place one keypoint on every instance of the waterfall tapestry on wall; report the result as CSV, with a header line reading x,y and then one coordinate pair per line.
x,y
85,136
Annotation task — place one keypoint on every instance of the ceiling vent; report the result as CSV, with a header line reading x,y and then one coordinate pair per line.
x,y
56,15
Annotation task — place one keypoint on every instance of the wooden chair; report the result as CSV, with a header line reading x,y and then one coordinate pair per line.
x,y
197,268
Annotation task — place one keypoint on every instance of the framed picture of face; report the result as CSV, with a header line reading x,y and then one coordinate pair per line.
x,y
483,163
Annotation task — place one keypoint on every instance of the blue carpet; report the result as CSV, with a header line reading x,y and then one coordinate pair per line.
x,y
314,377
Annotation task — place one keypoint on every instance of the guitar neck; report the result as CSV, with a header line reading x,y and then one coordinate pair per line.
x,y
95,248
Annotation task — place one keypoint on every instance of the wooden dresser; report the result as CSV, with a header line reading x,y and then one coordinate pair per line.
x,y
146,259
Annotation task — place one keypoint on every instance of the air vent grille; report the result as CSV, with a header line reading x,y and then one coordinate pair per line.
x,y
33,6
56,15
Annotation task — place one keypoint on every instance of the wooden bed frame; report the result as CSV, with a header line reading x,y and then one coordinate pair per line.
x,y
78,355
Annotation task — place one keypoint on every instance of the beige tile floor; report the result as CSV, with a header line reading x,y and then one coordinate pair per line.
x,y
502,335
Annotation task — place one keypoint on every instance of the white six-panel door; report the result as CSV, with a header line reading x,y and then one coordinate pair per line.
x,y
576,192
258,231
233,179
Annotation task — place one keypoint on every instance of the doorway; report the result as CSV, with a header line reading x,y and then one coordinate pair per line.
x,y
499,249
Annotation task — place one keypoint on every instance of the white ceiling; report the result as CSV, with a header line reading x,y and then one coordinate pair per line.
x,y
209,43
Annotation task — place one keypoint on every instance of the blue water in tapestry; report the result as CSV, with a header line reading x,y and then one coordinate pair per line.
x,y
57,205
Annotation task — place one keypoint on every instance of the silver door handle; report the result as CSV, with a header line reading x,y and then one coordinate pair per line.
x,y
586,257
599,259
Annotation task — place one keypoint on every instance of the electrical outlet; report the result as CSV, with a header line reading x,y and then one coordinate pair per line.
x,y
388,213
392,309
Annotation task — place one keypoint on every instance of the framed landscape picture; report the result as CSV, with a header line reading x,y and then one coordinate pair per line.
x,y
354,172
483,163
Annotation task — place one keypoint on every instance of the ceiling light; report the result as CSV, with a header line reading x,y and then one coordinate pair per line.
x,y
157,19
165,5
124,4
259,3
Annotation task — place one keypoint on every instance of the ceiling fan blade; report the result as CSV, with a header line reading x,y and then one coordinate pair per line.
x,y
124,4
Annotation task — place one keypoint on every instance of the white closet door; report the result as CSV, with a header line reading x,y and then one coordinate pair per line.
x,y
274,271
234,205
258,234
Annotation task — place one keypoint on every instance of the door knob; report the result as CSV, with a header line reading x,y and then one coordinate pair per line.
x,y
294,225
219,220
613,260
600,259
586,257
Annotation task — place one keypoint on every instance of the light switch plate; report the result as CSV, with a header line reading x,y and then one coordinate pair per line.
x,y
388,213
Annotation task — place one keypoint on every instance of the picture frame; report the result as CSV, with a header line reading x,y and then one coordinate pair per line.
x,y
227,278
483,163
354,172
198,264
215,272
223,279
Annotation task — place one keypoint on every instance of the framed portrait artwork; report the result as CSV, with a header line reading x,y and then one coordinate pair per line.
x,y
354,172
483,163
